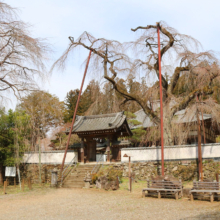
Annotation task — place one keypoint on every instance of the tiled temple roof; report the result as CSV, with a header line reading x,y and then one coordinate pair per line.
x,y
183,116
99,122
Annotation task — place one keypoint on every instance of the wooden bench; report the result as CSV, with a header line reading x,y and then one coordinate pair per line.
x,y
205,189
163,188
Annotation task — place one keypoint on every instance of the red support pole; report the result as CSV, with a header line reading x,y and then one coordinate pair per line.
x,y
74,116
199,143
203,126
161,102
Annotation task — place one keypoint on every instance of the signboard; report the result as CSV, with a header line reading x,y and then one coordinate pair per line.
x,y
10,171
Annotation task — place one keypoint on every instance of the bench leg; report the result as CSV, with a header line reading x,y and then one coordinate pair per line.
x,y
211,198
191,197
159,195
143,194
176,196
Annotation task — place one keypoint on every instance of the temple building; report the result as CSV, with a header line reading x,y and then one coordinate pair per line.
x,y
187,118
101,133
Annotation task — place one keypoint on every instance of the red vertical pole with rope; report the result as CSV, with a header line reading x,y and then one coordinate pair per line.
x,y
161,101
74,116
203,126
199,142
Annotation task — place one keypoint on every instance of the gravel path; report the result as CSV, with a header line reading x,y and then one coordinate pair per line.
x,y
98,204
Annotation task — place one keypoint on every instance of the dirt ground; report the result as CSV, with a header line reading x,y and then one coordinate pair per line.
x,y
98,204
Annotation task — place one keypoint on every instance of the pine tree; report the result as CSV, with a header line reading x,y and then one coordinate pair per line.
x,y
70,104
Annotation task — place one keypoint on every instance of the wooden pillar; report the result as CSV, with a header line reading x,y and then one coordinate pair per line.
x,y
92,150
82,150
108,150
5,185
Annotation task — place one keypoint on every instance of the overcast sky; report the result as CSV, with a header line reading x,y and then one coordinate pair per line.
x,y
57,20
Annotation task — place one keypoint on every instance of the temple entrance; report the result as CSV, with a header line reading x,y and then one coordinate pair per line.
x,y
107,130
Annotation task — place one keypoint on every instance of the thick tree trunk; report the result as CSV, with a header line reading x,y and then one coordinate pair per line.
x,y
168,137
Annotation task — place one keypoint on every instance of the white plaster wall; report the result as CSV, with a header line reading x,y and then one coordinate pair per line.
x,y
101,157
55,157
185,152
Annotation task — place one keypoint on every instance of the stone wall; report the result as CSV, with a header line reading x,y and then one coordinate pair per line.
x,y
184,170
32,171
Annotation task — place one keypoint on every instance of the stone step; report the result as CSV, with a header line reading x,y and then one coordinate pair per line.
x,y
75,180
80,187
73,186
84,170
77,174
76,177
85,166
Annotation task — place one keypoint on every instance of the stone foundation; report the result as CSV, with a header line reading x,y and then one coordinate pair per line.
x,y
32,171
184,170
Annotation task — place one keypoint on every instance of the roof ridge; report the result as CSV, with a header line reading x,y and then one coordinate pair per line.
x,y
78,119
102,115
117,116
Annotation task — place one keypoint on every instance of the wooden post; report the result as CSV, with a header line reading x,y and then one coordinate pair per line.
x,y
176,196
22,185
191,197
159,195
82,150
14,182
212,198
1,174
143,193
130,182
29,183
108,150
5,184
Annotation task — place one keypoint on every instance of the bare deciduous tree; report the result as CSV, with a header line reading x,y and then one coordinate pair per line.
x,y
21,56
186,71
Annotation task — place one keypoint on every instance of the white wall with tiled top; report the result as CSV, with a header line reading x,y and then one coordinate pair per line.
x,y
184,152
50,157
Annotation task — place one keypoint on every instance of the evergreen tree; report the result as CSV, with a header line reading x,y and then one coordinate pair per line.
x,y
14,134
70,104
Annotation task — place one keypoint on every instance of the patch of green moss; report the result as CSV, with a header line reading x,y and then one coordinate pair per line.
x,y
134,122
129,114
110,172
